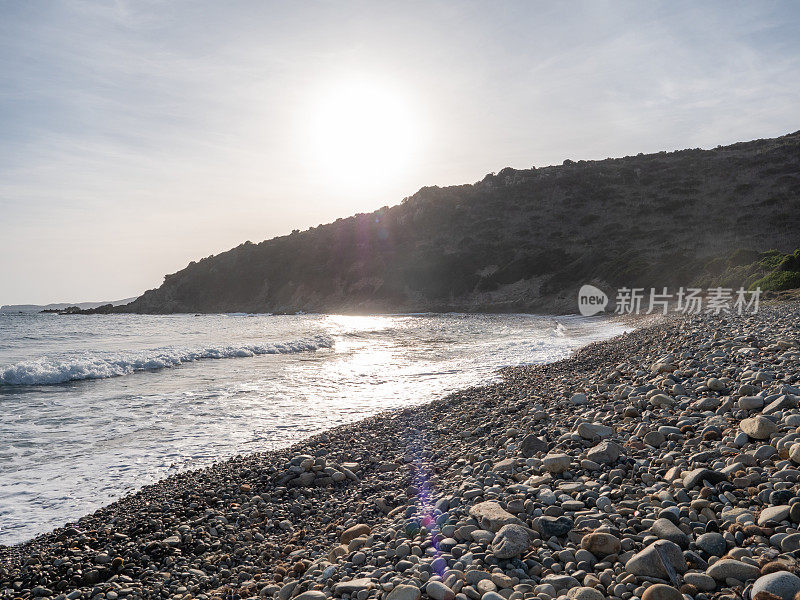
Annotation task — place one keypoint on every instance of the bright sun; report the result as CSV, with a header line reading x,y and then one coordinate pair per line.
x,y
362,133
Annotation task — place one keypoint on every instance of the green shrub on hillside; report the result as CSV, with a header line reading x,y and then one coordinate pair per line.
x,y
790,262
778,280
771,259
770,270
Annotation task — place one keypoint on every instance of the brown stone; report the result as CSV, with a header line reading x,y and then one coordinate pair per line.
x,y
354,532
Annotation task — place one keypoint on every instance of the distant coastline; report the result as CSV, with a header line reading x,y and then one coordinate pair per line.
x,y
61,306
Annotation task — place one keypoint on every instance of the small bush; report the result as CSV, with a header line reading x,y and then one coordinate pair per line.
x,y
791,262
771,259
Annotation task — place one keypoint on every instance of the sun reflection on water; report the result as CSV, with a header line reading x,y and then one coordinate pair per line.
x,y
364,359
343,324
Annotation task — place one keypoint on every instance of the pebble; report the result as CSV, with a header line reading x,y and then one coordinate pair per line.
x,y
758,427
773,513
594,431
728,568
532,445
701,581
354,532
311,595
696,477
604,452
781,583
511,541
654,438
353,586
492,516
648,562
665,529
790,543
601,544
404,592
659,591
556,463
584,593
554,526
712,543
439,591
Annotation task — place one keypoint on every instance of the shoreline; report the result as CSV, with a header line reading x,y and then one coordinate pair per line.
x,y
634,321
40,506
251,524
627,321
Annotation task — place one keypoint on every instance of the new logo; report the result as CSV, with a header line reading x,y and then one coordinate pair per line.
x,y
591,300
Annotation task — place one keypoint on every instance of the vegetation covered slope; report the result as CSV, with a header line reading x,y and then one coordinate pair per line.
x,y
517,240
769,271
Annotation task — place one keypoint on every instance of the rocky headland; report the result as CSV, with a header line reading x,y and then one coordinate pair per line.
x,y
524,240
661,465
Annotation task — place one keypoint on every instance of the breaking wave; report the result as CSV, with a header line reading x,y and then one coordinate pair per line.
x,y
52,371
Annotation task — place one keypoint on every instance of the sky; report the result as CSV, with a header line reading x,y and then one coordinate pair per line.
x,y
136,136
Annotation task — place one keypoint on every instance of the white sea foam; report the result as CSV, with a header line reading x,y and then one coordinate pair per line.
x,y
51,371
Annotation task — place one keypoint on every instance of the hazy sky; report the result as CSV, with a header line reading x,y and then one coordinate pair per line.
x,y
137,136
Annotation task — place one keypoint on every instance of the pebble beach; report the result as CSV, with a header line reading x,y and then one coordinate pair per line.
x,y
663,464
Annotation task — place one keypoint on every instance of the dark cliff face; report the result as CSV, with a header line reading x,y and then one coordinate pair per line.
x,y
518,240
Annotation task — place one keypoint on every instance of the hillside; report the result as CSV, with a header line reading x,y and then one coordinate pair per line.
x,y
518,240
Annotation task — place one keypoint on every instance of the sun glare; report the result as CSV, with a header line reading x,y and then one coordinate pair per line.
x,y
362,133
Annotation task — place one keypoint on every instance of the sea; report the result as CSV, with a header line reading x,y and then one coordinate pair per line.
x,y
93,407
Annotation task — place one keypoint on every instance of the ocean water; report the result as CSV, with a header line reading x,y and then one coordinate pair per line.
x,y
94,407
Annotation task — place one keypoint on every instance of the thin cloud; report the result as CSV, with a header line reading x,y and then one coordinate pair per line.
x,y
140,135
